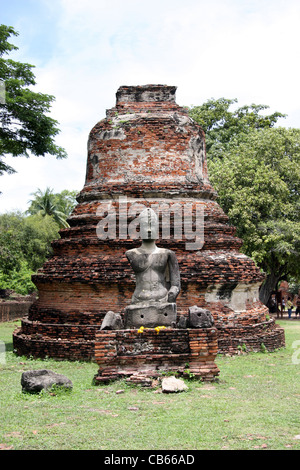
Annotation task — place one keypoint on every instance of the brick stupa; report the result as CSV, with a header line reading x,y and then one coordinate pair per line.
x,y
147,149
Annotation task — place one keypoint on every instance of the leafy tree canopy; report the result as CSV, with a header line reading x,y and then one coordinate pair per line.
x,y
220,123
25,126
25,239
25,243
255,168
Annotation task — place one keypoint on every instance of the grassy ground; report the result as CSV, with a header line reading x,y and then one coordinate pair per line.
x,y
255,405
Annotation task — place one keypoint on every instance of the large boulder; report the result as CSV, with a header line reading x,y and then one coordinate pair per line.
x,y
36,380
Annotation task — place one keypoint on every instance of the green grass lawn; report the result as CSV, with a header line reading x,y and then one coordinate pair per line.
x,y
255,405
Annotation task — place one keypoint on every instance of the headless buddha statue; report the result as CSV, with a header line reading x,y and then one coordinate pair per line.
x,y
157,279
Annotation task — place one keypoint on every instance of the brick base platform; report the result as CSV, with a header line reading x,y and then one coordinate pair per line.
x,y
140,357
65,341
251,338
39,346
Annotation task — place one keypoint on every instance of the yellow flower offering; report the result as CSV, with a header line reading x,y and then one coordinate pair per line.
x,y
158,328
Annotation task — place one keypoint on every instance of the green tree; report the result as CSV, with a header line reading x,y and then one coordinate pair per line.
x,y
255,168
221,124
66,201
59,205
25,126
25,243
18,281
37,234
10,242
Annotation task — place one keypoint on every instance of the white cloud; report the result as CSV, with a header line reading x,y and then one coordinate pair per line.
x,y
236,48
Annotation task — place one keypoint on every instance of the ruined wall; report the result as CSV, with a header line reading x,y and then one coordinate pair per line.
x,y
135,356
13,310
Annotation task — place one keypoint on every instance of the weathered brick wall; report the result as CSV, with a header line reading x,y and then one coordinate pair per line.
x,y
39,346
251,338
13,310
127,353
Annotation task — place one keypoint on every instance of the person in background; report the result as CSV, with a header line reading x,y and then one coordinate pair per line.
x,y
289,305
298,307
282,308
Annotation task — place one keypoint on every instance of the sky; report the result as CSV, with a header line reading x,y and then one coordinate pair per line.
x,y
84,50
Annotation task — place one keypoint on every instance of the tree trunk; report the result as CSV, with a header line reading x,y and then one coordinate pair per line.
x,y
268,287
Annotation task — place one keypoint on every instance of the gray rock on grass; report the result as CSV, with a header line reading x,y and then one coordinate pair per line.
x,y
36,380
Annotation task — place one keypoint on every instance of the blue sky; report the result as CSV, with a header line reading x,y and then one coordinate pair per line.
x,y
83,50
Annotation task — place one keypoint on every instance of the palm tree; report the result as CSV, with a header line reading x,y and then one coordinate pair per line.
x,y
46,203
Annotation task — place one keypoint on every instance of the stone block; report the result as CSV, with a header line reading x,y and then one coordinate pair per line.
x,y
150,315
112,321
200,318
